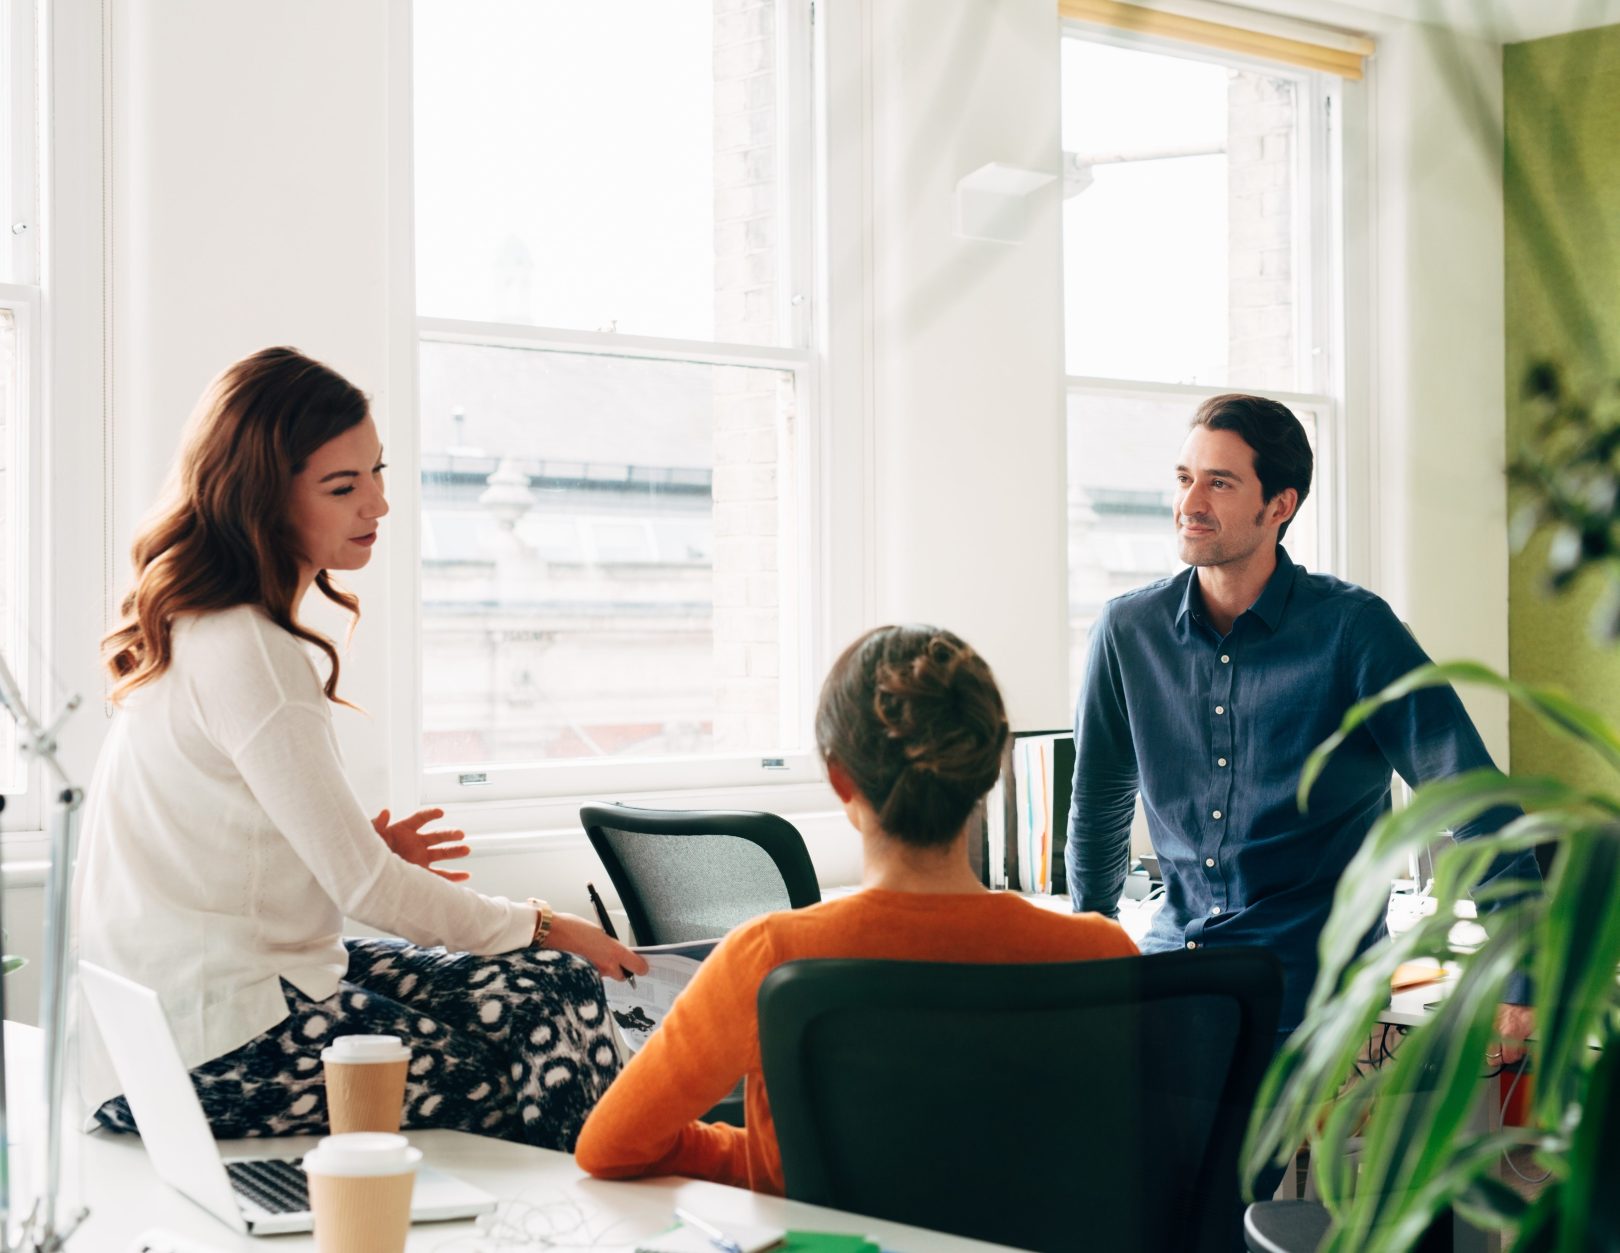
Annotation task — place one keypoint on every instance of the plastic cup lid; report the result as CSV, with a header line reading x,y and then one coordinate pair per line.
x,y
360,1153
365,1048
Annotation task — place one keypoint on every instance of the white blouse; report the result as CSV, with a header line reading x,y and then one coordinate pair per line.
x,y
223,847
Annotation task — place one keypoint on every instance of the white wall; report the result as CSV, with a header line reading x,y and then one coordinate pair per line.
x,y
968,362
251,210
1440,417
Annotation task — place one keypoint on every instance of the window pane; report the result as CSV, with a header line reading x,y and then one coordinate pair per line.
x,y
1181,247
599,166
602,555
10,211
12,776
1122,458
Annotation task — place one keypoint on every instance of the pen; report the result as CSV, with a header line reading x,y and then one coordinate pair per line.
x,y
607,923
718,1238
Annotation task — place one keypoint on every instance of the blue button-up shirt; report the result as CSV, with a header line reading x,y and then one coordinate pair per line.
x,y
1214,730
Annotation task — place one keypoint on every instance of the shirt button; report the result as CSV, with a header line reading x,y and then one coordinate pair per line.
x,y
1217,813
1220,709
1209,861
1220,761
1216,910
1192,943
1225,660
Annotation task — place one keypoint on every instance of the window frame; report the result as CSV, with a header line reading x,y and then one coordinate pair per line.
x,y
21,155
20,143
522,791
1326,312
23,811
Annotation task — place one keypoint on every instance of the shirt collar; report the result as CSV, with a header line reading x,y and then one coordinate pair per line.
x,y
1190,599
1268,607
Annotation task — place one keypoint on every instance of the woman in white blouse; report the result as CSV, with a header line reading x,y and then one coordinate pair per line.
x,y
223,846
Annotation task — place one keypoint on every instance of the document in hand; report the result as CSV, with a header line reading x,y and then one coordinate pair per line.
x,y
638,1010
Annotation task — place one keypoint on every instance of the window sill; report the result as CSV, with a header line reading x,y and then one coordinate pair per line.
x,y
24,859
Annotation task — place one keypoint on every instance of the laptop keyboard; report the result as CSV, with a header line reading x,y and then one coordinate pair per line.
x,y
276,1185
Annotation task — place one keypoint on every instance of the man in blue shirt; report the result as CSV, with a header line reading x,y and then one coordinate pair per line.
x,y
1206,692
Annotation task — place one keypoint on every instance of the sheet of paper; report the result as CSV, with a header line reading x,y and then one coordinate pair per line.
x,y
638,1010
749,1237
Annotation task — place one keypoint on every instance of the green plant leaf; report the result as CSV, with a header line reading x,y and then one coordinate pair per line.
x,y
1362,893
1304,1081
1414,1111
1538,1232
1482,1198
1575,966
1550,706
1589,1193
1411,1143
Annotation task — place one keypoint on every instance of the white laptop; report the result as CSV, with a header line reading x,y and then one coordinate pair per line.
x,y
259,1195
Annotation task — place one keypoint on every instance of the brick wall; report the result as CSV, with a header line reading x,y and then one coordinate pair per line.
x,y
751,406
1260,187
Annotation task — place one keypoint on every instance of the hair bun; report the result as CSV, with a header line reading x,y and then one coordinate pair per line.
x,y
932,704
912,715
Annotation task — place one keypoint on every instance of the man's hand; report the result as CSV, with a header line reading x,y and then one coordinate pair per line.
x,y
572,934
1514,1025
407,840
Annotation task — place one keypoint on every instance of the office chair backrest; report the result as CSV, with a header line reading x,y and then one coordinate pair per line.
x,y
1096,1105
694,875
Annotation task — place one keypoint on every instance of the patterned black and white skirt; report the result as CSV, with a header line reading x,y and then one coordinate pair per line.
x,y
517,1046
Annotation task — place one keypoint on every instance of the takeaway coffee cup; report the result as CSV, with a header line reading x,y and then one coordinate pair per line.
x,y
360,1192
365,1082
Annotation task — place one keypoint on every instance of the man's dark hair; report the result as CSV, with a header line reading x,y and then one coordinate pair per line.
x,y
1282,454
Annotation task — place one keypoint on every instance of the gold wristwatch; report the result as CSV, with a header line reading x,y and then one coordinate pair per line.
x,y
542,922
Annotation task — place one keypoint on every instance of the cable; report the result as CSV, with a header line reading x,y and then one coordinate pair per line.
x,y
1518,1068
557,1225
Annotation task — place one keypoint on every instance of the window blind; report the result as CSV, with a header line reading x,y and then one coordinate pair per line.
x,y
1342,56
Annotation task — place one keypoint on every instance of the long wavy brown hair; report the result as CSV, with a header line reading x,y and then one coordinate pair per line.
x,y
221,536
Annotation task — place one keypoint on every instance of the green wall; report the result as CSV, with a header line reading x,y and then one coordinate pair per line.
x,y
1562,201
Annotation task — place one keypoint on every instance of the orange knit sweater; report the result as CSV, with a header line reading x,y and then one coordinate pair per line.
x,y
647,1123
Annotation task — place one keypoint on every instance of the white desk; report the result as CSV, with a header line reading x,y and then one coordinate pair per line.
x,y
542,1192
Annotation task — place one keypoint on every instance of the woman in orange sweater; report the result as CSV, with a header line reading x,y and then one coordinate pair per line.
x,y
911,728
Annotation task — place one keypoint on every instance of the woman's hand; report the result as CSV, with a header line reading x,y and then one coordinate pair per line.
x,y
573,934
407,840
1515,1024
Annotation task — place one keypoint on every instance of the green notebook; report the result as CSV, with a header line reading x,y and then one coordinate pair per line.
x,y
684,1239
825,1242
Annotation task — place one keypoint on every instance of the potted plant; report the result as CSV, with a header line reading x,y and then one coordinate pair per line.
x,y
1415,1113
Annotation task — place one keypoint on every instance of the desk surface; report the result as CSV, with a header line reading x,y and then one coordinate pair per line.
x,y
547,1203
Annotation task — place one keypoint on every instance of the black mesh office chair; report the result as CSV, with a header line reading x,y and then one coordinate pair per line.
x,y
1097,1105
1285,1226
694,875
